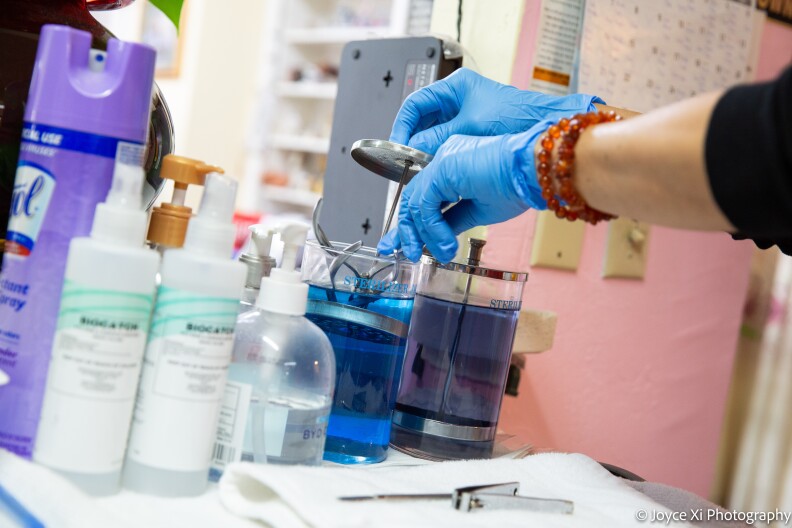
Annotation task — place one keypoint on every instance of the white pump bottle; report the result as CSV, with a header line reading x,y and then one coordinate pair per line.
x,y
188,353
98,348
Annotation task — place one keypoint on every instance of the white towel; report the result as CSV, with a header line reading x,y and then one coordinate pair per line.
x,y
57,503
296,497
50,498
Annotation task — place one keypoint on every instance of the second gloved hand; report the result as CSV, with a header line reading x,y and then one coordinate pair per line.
x,y
493,179
468,103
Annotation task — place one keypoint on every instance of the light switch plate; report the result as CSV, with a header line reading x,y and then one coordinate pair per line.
x,y
626,250
557,243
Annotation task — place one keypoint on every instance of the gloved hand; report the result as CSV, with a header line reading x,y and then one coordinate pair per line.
x,y
467,103
493,178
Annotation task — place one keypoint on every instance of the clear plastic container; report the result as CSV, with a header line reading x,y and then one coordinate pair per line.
x,y
457,361
363,302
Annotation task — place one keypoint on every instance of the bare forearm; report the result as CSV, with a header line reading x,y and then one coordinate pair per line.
x,y
651,167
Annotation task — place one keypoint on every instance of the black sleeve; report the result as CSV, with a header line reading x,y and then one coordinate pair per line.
x,y
748,154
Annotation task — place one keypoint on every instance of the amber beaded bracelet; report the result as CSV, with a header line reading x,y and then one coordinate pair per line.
x,y
555,177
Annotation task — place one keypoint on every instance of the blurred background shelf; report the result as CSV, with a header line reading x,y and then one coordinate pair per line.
x,y
308,89
334,35
288,142
313,145
289,195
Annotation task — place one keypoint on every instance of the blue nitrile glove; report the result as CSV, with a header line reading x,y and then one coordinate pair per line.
x,y
493,178
468,103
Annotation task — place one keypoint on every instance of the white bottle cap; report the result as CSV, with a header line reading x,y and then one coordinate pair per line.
x,y
212,230
283,291
120,219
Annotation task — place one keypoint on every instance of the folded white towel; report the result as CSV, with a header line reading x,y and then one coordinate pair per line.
x,y
50,498
296,497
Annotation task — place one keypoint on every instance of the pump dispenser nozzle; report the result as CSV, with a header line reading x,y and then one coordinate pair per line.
x,y
212,230
283,291
169,221
257,255
120,219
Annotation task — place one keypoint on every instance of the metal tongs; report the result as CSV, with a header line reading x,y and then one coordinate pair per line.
x,y
341,259
484,497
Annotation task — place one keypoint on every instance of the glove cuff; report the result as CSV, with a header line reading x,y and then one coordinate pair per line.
x,y
524,181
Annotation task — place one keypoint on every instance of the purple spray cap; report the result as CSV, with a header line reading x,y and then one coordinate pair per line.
x,y
75,88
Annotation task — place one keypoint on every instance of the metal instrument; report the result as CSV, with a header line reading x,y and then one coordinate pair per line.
x,y
395,162
484,497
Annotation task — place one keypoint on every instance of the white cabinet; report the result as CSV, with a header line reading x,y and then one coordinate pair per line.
x,y
286,152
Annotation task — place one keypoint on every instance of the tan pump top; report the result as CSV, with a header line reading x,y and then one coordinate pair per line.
x,y
168,224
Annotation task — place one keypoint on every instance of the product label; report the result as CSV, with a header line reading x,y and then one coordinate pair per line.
x,y
62,174
295,434
33,188
184,373
502,304
233,427
386,286
92,380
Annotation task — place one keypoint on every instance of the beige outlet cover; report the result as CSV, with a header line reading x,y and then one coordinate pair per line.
x,y
557,243
626,250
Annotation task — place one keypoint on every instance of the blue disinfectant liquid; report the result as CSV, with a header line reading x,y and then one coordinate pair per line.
x,y
368,368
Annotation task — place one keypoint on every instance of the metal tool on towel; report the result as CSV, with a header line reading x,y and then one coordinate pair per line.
x,y
485,497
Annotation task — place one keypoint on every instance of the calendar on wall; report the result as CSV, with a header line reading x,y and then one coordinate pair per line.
x,y
642,55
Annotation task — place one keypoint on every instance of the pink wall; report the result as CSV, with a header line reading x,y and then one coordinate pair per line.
x,y
639,371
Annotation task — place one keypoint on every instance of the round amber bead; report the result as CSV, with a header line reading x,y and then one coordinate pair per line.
x,y
567,191
553,203
572,216
563,124
565,153
561,212
547,143
543,156
554,131
545,181
547,193
543,169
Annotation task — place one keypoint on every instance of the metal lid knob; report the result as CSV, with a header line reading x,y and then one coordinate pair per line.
x,y
476,248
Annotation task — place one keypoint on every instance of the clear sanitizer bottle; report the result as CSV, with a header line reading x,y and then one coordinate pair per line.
x,y
281,376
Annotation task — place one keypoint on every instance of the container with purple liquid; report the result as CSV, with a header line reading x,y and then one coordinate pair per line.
x,y
457,360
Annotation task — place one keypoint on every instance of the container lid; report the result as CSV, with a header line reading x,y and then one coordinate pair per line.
x,y
478,271
472,266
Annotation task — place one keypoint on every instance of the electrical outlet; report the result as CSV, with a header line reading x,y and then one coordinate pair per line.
x,y
557,243
625,254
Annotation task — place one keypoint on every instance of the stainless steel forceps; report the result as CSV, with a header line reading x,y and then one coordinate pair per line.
x,y
487,497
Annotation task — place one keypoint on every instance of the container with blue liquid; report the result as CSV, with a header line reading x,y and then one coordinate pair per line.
x,y
363,302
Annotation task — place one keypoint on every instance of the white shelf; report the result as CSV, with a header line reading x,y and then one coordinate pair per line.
x,y
308,90
301,197
334,35
314,145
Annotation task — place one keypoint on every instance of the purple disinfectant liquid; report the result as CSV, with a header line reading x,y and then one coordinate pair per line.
x,y
454,373
82,106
